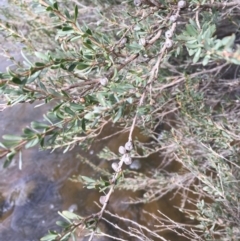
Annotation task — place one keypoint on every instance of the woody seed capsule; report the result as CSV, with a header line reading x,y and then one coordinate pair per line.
x,y
182,4
173,18
115,166
102,200
168,34
122,150
129,146
169,43
103,81
138,3
127,159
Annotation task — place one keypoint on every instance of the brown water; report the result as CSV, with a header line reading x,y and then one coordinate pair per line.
x,y
42,187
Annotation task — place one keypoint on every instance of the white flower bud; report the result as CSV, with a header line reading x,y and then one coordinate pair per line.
x,y
122,150
142,41
168,34
115,166
129,146
103,81
102,200
127,159
182,4
137,3
173,18
168,43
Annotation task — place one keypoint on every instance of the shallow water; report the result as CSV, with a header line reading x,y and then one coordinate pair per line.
x,y
42,188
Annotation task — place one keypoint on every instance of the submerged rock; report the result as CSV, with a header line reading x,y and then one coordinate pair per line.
x,y
31,215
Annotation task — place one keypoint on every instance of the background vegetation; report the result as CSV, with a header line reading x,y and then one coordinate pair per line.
x,y
168,69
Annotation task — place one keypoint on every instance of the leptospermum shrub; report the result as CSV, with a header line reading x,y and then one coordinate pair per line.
x,y
167,68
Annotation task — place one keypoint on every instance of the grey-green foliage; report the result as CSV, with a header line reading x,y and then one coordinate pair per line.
x,y
104,63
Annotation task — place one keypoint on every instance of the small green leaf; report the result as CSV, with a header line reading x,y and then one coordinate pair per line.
x,y
9,159
42,56
65,94
76,107
82,66
38,125
88,31
89,116
87,179
69,111
75,38
49,8
228,41
3,146
6,163
10,143
28,132
33,77
205,60
67,14
39,64
62,223
197,55
66,28
32,143
75,13
28,61
191,30
42,86
101,99
12,138
66,237
42,142
55,5
118,115
49,237
88,45
70,215
217,44
83,124
135,47
16,80
72,67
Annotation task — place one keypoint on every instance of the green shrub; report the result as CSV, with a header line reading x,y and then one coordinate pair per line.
x,y
168,68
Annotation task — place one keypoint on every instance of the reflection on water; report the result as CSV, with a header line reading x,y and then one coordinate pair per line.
x,y
34,201
30,197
